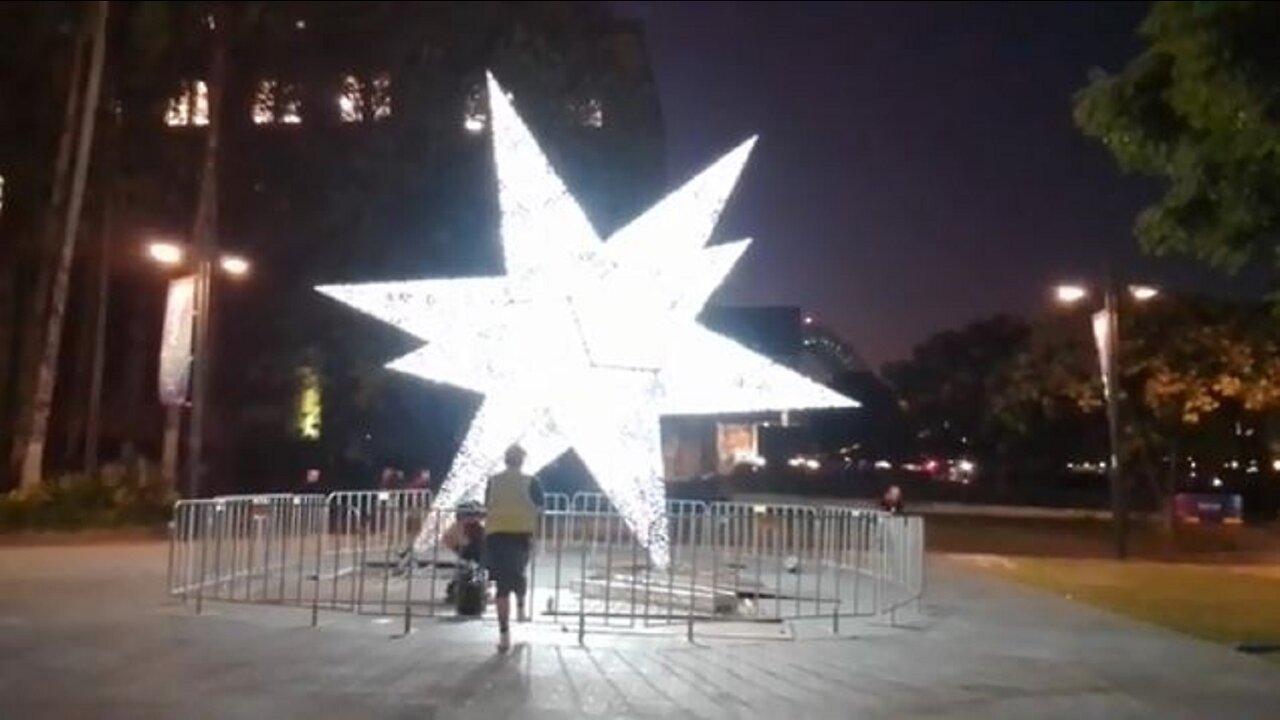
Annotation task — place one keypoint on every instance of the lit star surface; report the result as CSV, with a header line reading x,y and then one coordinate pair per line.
x,y
584,343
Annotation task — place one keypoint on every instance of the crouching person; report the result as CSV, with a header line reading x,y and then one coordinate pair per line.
x,y
466,538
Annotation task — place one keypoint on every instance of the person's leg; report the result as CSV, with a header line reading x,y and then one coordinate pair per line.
x,y
521,580
500,566
503,603
522,614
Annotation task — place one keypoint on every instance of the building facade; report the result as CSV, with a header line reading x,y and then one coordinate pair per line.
x,y
354,147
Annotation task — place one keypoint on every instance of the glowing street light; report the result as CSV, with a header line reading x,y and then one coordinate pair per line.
x,y
1070,294
234,265
172,254
166,253
1143,293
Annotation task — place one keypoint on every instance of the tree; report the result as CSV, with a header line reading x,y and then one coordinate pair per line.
x,y
947,386
1200,108
1193,374
32,467
44,47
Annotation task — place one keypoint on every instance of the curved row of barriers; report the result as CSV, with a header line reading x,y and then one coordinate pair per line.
x,y
355,552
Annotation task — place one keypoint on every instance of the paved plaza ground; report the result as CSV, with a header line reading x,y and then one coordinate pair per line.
x,y
86,632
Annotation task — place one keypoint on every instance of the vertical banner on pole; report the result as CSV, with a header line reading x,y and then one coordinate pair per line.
x,y
175,341
1102,335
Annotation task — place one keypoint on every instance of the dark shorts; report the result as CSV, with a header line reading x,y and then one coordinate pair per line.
x,y
507,556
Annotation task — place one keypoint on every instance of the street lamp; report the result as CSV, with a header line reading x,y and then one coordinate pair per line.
x,y
234,265
173,254
1068,294
1143,293
1072,293
166,253
1106,332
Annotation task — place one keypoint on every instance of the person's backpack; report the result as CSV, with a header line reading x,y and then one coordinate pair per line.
x,y
472,589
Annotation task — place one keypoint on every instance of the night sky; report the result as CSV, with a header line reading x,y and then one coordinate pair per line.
x,y
917,168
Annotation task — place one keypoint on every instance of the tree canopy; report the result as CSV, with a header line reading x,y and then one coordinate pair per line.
x,y
1200,379
947,385
1200,109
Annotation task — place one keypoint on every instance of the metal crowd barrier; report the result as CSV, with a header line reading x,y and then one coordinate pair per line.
x,y
247,548
355,552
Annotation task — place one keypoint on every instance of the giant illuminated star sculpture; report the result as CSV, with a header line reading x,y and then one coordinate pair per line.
x,y
584,344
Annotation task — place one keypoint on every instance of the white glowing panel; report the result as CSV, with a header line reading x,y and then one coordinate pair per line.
x,y
582,343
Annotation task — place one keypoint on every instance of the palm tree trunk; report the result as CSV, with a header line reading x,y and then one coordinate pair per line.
x,y
32,472
93,430
204,238
74,389
58,193
29,335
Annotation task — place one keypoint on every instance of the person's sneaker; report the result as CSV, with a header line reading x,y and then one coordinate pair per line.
x,y
504,640
522,615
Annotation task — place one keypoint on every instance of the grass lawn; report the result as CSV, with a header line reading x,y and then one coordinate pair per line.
x,y
1084,538
1219,602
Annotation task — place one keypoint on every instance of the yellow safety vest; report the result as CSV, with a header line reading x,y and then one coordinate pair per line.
x,y
509,509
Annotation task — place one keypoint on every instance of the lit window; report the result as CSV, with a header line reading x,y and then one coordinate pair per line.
x,y
350,100
290,106
309,404
381,97
359,101
475,117
276,102
264,103
589,113
189,106
200,113
177,113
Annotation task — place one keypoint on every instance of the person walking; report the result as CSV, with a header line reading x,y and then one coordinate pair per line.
x,y
512,502
891,502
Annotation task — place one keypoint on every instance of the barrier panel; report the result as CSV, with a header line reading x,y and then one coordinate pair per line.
x,y
246,548
354,552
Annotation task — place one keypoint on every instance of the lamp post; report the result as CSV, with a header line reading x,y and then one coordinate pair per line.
x,y
173,254
1106,333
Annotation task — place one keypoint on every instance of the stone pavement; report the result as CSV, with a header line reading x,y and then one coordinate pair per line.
x,y
85,632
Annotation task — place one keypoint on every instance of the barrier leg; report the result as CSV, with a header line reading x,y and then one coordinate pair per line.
x,y
204,546
173,539
408,596
315,592
582,599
